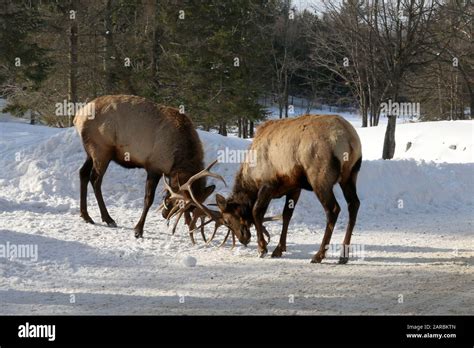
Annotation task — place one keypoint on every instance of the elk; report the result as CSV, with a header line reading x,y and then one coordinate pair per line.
x,y
312,152
137,133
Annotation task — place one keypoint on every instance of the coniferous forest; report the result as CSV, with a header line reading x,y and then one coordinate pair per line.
x,y
225,62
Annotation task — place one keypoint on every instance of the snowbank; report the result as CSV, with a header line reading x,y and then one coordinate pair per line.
x,y
442,141
44,170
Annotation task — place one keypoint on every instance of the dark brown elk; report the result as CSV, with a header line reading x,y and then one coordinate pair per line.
x,y
137,133
312,152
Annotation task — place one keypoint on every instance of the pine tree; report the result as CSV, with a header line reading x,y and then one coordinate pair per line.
x,y
24,65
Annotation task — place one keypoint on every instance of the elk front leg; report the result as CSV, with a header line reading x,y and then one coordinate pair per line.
x,y
150,189
258,211
290,203
332,209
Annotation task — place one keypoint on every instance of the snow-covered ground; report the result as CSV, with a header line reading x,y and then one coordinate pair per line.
x,y
414,236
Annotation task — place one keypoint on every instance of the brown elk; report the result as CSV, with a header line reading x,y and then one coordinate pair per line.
x,y
312,152
137,133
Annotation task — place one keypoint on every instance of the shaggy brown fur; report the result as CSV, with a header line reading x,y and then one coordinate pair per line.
x,y
137,133
312,152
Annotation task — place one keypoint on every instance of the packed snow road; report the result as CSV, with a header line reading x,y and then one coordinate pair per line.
x,y
413,246
416,265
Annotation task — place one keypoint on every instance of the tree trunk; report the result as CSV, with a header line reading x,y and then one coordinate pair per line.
x,y
94,71
155,51
364,117
251,131
363,109
108,48
239,123
373,113
223,129
377,117
389,141
471,105
32,117
365,113
440,99
72,81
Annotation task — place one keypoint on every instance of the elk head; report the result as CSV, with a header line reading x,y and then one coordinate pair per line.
x,y
238,217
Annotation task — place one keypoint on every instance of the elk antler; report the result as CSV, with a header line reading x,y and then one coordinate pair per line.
x,y
229,231
185,203
187,200
187,187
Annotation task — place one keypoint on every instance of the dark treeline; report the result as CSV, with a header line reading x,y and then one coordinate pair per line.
x,y
221,61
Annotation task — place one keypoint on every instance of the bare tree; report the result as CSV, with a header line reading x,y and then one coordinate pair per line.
x,y
73,52
402,31
339,45
284,62
372,46
108,47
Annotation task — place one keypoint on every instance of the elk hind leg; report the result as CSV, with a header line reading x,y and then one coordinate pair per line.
x,y
350,194
85,174
98,171
326,196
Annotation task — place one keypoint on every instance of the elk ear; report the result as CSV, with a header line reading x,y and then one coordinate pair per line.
x,y
221,202
208,191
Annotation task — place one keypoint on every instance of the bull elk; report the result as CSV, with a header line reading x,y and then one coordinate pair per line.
x,y
137,133
312,152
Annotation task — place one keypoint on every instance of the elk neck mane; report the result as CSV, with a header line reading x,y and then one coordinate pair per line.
x,y
189,156
244,193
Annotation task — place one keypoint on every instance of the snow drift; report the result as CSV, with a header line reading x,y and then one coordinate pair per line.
x,y
46,173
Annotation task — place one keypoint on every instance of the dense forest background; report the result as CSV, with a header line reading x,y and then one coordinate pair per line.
x,y
223,62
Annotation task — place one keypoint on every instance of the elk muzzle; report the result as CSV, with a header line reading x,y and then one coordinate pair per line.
x,y
243,235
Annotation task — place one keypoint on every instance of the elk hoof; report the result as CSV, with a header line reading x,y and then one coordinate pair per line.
x,y
262,252
138,233
111,223
317,258
343,260
88,219
277,252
